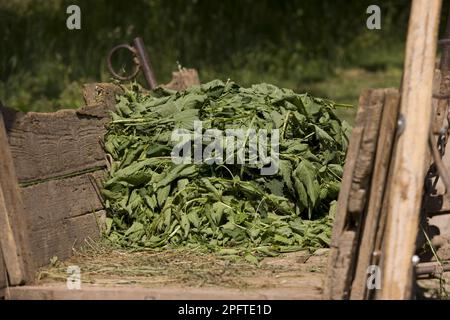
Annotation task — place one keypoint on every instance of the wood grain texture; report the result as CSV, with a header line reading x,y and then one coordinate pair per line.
x,y
350,163
342,244
354,193
404,199
46,145
60,214
13,228
3,275
62,198
372,218
130,292
57,237
441,86
60,211
362,172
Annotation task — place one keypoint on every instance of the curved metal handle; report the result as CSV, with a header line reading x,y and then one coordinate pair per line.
x,y
135,60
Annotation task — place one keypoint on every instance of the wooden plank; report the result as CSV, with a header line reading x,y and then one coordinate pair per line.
x,y
47,145
59,238
3,275
130,292
57,199
341,246
441,85
13,229
352,199
350,163
409,168
51,151
378,184
362,172
60,214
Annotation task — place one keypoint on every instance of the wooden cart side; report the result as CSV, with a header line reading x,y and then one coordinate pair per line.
x,y
13,227
57,158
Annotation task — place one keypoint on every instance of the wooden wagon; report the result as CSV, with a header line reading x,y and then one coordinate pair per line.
x,y
49,202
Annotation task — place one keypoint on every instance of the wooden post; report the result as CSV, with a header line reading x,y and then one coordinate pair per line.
x,y
409,168
12,219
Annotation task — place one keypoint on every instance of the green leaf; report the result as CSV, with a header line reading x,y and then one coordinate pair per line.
x,y
252,259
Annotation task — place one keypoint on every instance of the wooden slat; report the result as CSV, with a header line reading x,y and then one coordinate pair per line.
x,y
13,229
50,152
362,172
62,198
61,214
378,184
409,168
130,292
46,145
353,195
58,237
3,280
350,163
60,211
341,247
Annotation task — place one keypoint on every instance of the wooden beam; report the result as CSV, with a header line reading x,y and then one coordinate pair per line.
x,y
13,232
134,292
409,168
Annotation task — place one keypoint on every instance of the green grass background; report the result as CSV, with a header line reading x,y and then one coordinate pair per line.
x,y
321,47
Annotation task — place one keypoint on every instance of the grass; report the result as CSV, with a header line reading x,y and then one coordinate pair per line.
x,y
346,85
343,86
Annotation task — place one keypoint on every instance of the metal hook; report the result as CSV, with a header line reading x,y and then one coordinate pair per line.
x,y
140,59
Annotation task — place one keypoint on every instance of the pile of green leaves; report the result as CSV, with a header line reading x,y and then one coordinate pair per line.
x,y
228,208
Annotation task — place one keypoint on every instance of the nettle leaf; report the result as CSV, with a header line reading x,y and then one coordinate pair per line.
x,y
322,134
306,173
277,119
276,187
229,208
162,194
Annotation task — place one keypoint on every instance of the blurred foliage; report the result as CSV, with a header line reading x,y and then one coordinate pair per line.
x,y
291,43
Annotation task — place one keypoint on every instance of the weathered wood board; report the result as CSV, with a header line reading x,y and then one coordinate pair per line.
x,y
354,194
3,282
57,157
13,229
61,215
373,216
48,145
409,167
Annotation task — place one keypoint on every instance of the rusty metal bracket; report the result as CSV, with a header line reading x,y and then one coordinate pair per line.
x,y
140,60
